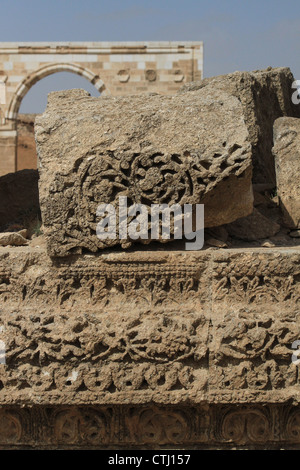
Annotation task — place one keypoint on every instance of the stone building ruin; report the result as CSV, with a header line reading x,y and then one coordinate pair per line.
x,y
149,346
113,68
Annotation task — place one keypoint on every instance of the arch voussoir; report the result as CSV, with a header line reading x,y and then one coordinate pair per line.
x,y
49,69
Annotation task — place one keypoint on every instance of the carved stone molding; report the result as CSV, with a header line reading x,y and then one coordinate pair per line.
x,y
151,426
123,75
178,76
150,75
91,341
247,426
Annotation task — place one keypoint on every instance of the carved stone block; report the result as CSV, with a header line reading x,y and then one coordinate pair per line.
x,y
265,95
186,149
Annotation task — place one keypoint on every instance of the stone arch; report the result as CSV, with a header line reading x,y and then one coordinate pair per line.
x,y
123,67
25,85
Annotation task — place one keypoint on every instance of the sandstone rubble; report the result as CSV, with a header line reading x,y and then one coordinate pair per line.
x,y
12,238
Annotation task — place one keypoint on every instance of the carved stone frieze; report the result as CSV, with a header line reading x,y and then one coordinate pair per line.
x,y
152,427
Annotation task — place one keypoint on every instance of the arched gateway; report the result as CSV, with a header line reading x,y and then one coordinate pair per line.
x,y
113,68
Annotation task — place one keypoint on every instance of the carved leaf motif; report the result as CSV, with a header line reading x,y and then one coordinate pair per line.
x,y
10,428
244,426
162,427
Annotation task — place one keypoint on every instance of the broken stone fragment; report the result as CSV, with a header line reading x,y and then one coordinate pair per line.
x,y
287,158
265,96
215,242
191,148
23,232
267,244
12,238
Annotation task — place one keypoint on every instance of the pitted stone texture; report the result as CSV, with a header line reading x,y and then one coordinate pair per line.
x,y
12,238
287,157
141,327
150,348
190,148
265,96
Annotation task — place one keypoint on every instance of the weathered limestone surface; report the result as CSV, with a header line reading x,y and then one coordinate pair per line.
x,y
12,238
26,149
287,158
150,348
265,96
190,148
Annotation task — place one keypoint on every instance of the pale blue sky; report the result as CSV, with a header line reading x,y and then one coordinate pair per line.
x,y
237,34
